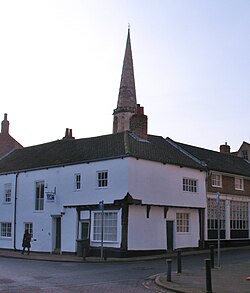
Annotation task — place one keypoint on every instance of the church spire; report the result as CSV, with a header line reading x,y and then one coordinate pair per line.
x,y
126,105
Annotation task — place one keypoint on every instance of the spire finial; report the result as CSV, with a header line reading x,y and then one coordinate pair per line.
x,y
129,26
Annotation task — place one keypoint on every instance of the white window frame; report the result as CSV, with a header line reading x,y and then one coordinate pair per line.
x,y
7,193
113,225
6,230
216,180
239,215
39,195
190,185
182,222
102,179
238,183
29,226
77,181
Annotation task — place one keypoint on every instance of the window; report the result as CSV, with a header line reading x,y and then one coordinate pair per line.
x,y
77,181
5,229
212,218
245,154
102,179
7,193
189,185
39,204
110,225
29,227
182,222
239,183
216,180
239,215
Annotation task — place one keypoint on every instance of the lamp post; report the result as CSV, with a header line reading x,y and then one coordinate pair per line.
x,y
218,225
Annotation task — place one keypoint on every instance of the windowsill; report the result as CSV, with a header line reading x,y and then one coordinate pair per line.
x,y
38,211
104,242
217,186
7,202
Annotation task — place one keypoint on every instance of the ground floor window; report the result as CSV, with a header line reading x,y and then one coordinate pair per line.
x,y
110,226
29,227
5,229
212,218
182,222
239,219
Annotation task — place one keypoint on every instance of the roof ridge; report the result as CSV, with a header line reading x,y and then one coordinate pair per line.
x,y
174,144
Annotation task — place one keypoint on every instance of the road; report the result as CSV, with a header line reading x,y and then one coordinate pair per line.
x,y
24,275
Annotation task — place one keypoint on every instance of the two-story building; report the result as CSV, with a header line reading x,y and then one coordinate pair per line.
x,y
130,192
228,181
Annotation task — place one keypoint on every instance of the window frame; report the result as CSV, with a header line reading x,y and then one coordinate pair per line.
x,y
29,226
183,222
190,185
7,193
240,184
6,230
77,181
244,154
102,182
39,195
107,230
216,180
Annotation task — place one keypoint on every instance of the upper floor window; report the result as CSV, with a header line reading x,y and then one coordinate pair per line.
x,y
189,185
182,222
245,154
216,180
239,183
102,178
7,193
5,229
39,200
77,181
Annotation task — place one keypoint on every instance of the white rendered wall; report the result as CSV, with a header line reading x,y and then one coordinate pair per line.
x,y
156,183
150,233
143,233
60,179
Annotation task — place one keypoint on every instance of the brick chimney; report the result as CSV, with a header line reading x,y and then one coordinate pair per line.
x,y
5,125
139,123
225,148
68,134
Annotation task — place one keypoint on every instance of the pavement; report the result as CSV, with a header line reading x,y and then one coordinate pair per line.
x,y
225,279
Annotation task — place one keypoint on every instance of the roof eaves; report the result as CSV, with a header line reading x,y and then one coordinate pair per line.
x,y
63,164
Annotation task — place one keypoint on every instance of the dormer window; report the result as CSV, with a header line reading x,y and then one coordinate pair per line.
x,y
245,154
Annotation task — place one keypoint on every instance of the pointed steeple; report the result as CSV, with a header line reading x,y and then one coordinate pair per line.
x,y
126,105
127,94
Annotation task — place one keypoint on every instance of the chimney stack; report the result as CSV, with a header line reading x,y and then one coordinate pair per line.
x,y
5,125
139,123
225,148
68,134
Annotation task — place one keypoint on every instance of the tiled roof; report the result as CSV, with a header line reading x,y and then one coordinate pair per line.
x,y
220,162
74,151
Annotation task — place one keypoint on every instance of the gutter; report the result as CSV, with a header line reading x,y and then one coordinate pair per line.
x,y
15,210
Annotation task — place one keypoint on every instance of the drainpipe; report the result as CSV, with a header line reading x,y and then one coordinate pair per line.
x,y
15,207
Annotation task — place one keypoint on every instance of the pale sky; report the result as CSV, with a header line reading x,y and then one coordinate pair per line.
x,y
61,62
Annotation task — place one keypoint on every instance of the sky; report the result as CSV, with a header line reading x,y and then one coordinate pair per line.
x,y
61,62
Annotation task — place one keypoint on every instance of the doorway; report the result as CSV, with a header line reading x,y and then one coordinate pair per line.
x,y
170,235
58,234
